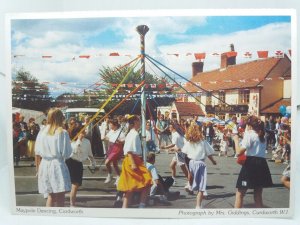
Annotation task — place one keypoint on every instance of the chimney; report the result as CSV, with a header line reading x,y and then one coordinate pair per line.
x,y
228,58
197,68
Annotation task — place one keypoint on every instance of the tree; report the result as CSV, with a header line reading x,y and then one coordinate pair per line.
x,y
112,77
70,100
28,93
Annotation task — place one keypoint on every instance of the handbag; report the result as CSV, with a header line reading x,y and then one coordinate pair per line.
x,y
241,159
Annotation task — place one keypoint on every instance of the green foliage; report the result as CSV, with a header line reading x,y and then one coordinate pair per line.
x,y
28,93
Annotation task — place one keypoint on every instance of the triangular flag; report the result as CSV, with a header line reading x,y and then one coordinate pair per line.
x,y
175,54
262,54
199,56
114,54
85,56
279,54
248,55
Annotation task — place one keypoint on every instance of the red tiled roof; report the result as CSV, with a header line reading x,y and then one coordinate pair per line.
x,y
244,75
274,107
188,109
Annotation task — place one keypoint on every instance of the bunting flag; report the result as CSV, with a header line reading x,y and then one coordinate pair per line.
x,y
215,54
248,55
130,85
279,54
114,54
200,56
188,54
84,56
47,56
262,54
175,54
16,56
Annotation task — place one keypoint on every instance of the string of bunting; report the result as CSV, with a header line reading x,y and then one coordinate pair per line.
x,y
108,99
18,84
197,55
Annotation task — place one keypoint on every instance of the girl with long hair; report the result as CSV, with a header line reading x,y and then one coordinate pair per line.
x,y
197,150
255,173
52,148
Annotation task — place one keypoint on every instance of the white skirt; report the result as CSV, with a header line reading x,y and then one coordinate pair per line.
x,y
53,176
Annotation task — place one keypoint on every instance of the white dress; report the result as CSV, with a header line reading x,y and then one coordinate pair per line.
x,y
53,174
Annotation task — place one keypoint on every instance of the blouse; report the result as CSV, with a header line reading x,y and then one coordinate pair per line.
x,y
81,150
198,151
133,143
177,140
253,145
113,135
57,146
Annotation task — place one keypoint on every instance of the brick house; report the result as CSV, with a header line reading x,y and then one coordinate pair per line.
x,y
185,110
255,87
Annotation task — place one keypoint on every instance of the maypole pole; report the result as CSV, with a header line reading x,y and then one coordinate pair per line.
x,y
142,30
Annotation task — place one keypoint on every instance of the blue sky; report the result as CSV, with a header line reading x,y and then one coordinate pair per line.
x,y
68,38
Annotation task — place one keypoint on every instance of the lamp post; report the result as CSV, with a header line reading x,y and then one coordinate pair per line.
x,y
142,30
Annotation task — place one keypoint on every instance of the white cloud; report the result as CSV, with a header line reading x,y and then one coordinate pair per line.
x,y
18,36
63,45
271,37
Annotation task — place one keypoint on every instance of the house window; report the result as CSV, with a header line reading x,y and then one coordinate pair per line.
x,y
244,97
222,97
208,98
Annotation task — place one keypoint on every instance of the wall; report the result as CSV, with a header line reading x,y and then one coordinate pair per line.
x,y
273,89
287,89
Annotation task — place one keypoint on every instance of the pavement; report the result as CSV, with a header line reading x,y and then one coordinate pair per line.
x,y
220,186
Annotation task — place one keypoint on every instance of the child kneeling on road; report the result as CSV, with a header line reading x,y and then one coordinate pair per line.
x,y
160,186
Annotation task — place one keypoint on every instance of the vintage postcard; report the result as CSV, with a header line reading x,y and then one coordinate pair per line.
x,y
152,114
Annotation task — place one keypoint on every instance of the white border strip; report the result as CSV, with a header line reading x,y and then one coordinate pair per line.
x,y
159,213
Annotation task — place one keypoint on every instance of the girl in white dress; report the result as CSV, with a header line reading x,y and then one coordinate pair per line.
x,y
224,145
52,148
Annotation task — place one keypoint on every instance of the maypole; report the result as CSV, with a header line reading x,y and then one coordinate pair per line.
x,y
142,30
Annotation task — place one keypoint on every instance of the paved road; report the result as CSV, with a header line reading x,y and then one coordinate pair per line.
x,y
220,186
